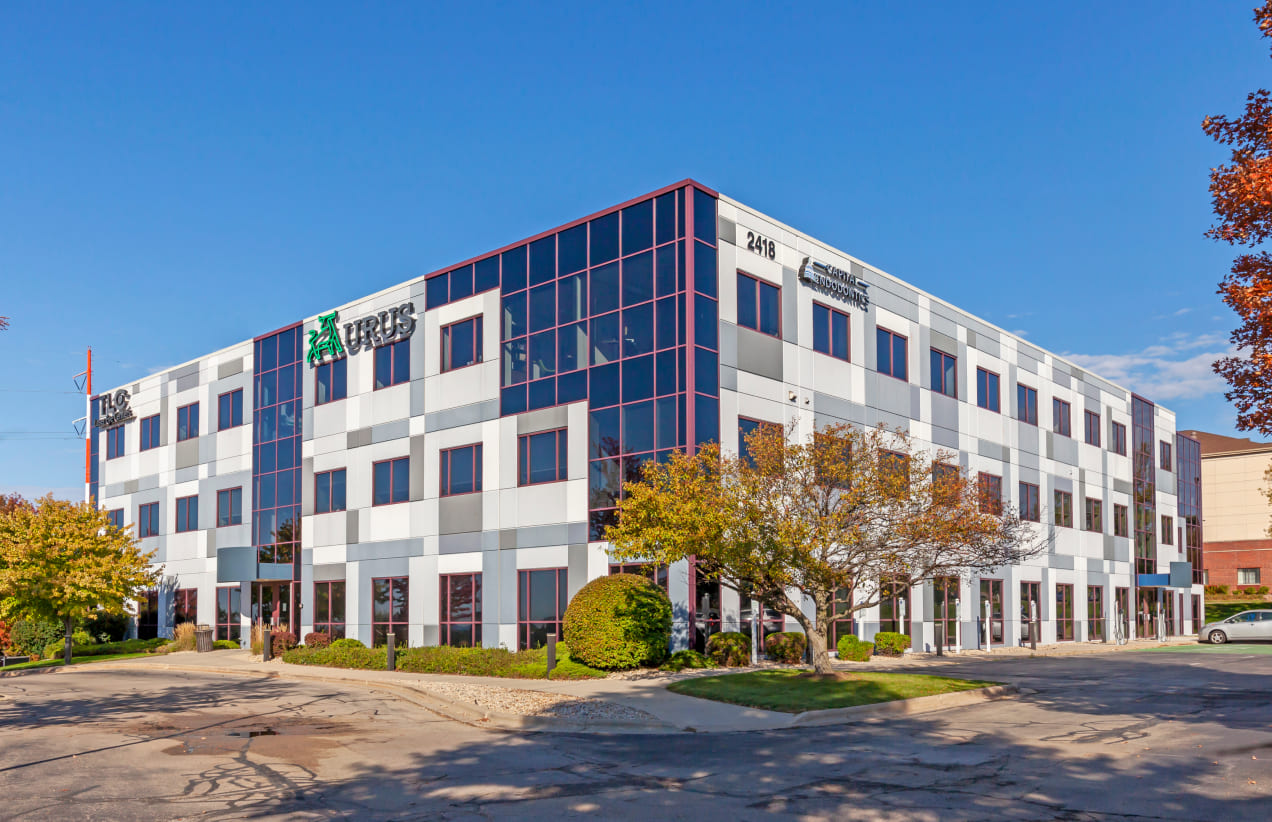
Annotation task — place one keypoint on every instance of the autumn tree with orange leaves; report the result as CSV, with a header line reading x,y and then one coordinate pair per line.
x,y
1241,192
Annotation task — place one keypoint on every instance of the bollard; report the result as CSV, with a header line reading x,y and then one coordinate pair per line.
x,y
390,654
267,644
989,640
551,654
1033,625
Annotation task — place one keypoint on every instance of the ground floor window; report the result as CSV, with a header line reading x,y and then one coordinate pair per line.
x,y
1122,602
1095,612
1064,613
459,597
390,598
657,573
771,622
541,596
1146,614
991,593
842,622
894,608
706,609
329,608
945,600
148,615
1030,610
185,606
1248,576
1168,605
229,612
1196,613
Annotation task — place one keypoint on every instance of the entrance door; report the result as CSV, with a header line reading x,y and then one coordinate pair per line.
x,y
1030,592
272,604
1146,614
945,598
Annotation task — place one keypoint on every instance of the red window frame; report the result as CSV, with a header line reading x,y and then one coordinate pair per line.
x,y
990,401
1168,530
1026,404
1118,436
392,489
523,457
115,442
151,434
116,517
1030,502
231,627
148,520
448,333
525,625
1064,612
331,494
236,394
334,628
1062,516
446,462
990,489
1061,417
1121,521
185,606
191,432
997,609
831,339
892,365
380,629
224,496
329,368
1095,612
1165,452
184,517
754,297
447,623
1092,428
938,382
1094,515
393,350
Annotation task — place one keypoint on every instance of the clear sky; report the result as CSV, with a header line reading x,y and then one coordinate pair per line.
x,y
174,180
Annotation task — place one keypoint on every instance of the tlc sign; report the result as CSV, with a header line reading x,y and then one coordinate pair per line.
x,y
114,409
374,329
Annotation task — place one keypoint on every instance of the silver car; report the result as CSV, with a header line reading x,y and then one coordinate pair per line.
x,y
1238,627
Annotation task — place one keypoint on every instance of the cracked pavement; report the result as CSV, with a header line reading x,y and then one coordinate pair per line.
x,y
1128,736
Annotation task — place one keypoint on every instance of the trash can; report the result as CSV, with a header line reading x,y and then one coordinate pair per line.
x,y
203,638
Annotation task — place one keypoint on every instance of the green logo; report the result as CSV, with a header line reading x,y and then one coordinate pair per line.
x,y
324,339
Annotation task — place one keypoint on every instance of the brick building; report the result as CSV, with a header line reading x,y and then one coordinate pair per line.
x,y
1237,514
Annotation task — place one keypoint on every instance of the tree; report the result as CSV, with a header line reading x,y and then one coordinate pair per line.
x,y
851,511
62,561
1241,193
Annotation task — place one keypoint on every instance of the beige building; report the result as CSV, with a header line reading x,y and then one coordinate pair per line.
x,y
1235,513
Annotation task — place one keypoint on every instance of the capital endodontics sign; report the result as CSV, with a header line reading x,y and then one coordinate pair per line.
x,y
396,323
836,282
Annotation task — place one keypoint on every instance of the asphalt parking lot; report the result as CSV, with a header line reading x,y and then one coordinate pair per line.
x,y
1131,736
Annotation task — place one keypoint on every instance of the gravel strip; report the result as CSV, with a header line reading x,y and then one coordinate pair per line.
x,y
536,703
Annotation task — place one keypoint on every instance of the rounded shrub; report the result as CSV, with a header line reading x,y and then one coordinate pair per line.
x,y
729,649
890,643
347,643
317,639
681,660
282,642
29,637
852,649
786,646
618,622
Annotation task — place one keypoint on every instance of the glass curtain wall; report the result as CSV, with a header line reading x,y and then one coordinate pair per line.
x,y
1188,487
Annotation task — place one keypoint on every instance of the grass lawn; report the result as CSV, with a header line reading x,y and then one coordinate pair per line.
x,y
1216,611
787,691
75,660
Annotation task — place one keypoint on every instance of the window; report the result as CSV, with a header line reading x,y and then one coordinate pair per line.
x,y
991,593
1248,576
541,457
149,432
148,520
991,493
329,608
392,364
1168,530
987,395
890,352
842,620
894,606
1094,515
229,409
1030,502
461,343
391,481
461,470
1027,404
1060,421
389,610
945,483
830,332
1092,428
1118,437
945,596
759,305
1121,526
1095,612
185,605
944,372
745,427
894,472
229,612
1165,455
1064,612
229,507
459,597
329,491
188,422
114,442
187,514
331,381
1064,509
540,606
655,573
148,614
116,517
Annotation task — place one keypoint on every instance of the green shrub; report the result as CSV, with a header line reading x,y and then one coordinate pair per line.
x,y
681,660
1262,591
29,637
890,643
786,646
317,639
618,622
852,649
1221,589
107,627
129,646
729,649
360,657
498,662
347,643
226,645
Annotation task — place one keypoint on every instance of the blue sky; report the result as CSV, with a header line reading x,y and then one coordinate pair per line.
x,y
173,180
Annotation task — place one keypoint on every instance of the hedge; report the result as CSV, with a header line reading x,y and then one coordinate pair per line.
x,y
54,650
852,649
30,638
618,622
498,662
890,643
729,649
786,646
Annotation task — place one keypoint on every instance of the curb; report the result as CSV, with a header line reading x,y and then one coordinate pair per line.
x,y
903,707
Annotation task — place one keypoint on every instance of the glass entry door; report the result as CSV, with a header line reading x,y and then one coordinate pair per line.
x,y
272,604
1030,595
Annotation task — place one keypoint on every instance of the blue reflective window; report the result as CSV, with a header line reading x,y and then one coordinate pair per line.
x,y
287,387
542,307
436,291
638,330
390,481
638,278
704,216
830,331
604,483
188,421
704,269
149,432
633,466
285,487
706,413
461,344
229,409
267,354
543,351
116,517
486,274
514,316
148,520
265,496
329,491
638,378
706,371
514,362
331,381
666,310
541,457
665,372
572,298
188,514
605,291
543,260
114,442
513,266
393,364
572,387
638,227
604,237
665,270
268,425
605,338
229,507
542,394
460,470
770,298
705,331
604,385
512,400
461,283
987,394
572,250
287,419
571,347
265,460
638,427
665,217
267,389
665,423
288,346
890,350
604,434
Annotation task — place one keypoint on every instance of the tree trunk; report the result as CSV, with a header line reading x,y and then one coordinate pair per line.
x,y
66,653
818,651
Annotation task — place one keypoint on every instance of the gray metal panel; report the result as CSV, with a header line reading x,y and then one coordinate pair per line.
x,y
1061,561
1165,481
790,306
728,378
1027,437
191,370
490,595
1062,484
306,424
545,419
235,564
876,417
507,588
538,536
464,415
351,527
993,450
1063,449
759,353
274,570
726,231
229,368
1122,486
890,395
728,344
307,487
459,543
357,438
383,567
945,437
508,539
459,514
945,411
186,474
576,572
417,468
944,341
417,398
163,419
1061,376
884,293
387,431
188,382
187,453
207,450
330,572
1110,547
131,486
385,550
838,407
148,483
1029,474
113,490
